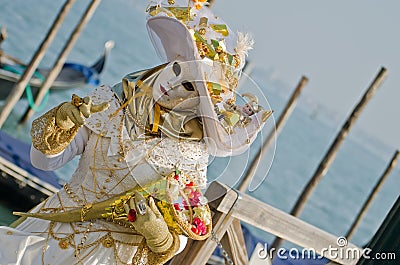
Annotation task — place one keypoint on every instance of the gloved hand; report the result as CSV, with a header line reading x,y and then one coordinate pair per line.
x,y
73,113
150,223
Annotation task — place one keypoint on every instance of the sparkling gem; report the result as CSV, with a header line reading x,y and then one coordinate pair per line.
x,y
132,215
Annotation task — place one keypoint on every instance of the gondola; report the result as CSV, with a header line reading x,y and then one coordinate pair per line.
x,y
72,75
19,179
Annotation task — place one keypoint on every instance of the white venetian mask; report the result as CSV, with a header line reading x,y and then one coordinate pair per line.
x,y
175,86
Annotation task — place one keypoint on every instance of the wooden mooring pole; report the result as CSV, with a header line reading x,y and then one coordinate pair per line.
x,y
372,195
56,69
279,125
333,149
19,87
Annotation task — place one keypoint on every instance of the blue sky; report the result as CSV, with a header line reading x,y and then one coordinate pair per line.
x,y
339,45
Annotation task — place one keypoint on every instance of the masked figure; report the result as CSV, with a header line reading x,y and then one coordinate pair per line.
x,y
144,146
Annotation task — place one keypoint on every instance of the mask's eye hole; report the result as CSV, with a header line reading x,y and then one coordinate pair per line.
x,y
188,85
176,68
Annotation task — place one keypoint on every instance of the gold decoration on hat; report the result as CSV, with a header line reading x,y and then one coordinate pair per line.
x,y
220,28
181,13
225,60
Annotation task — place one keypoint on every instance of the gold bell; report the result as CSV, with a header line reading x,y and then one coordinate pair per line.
x,y
108,242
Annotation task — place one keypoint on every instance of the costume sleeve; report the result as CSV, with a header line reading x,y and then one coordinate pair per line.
x,y
52,162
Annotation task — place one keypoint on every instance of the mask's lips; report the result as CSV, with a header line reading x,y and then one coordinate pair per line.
x,y
163,90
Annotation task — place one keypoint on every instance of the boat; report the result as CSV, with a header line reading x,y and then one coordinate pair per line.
x,y
19,179
72,75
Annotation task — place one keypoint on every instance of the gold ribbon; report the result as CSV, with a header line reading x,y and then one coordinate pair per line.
x,y
220,28
157,114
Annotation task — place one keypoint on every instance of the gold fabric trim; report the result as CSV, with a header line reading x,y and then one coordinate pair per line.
x,y
47,137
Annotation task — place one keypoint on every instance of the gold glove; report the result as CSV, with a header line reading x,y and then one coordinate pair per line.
x,y
144,255
70,114
53,131
150,223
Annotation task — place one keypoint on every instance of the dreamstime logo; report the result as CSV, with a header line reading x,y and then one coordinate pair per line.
x,y
339,252
341,241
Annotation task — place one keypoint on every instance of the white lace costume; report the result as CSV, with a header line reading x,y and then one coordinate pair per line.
x,y
103,172
111,163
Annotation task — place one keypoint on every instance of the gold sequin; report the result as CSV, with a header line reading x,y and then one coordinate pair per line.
x,y
63,244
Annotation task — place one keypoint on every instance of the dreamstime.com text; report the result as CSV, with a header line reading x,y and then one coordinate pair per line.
x,y
340,251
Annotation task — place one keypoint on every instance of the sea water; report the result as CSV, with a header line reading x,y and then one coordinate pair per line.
x,y
288,164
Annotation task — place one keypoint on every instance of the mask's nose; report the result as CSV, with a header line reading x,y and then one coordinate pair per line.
x,y
173,82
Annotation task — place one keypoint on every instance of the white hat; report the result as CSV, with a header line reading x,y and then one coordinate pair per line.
x,y
194,33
